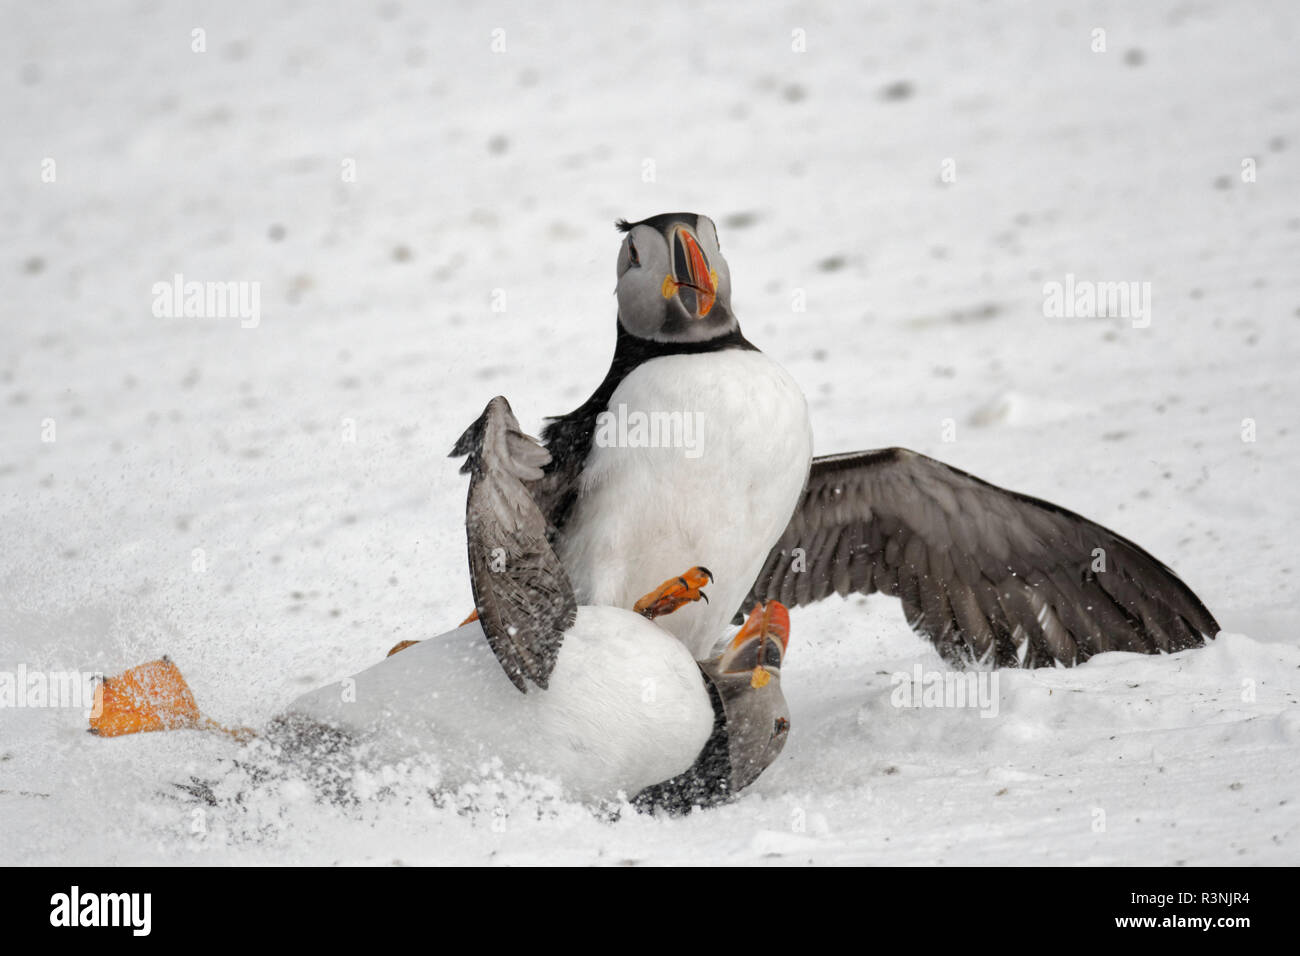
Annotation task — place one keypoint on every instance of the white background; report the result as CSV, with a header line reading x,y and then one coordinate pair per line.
x,y
481,170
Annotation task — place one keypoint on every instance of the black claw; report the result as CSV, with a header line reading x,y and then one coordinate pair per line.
x,y
705,596
706,572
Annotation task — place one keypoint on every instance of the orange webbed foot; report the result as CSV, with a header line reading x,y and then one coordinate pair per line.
x,y
151,697
674,593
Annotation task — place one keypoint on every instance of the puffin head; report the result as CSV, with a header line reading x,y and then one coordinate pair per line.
x,y
673,284
747,678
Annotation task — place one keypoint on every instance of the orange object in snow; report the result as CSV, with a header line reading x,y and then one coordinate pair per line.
x,y
152,696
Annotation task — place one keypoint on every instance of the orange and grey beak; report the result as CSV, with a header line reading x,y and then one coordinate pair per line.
x,y
760,644
693,281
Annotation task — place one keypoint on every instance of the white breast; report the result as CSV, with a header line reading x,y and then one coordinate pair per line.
x,y
627,707
719,498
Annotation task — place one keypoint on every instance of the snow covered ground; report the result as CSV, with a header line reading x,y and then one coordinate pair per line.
x,y
915,175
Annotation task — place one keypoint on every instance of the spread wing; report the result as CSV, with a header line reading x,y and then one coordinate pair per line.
x,y
985,573
522,594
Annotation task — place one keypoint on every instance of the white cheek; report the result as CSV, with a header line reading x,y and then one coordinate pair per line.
x,y
640,302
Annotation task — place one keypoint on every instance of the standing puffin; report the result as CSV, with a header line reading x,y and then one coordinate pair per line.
x,y
985,573
621,706
718,492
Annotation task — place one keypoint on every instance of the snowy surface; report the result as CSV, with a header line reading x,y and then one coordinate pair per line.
x,y
479,171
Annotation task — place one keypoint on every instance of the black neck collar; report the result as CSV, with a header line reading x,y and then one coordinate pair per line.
x,y
631,350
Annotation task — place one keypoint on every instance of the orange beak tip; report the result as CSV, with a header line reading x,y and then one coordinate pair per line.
x,y
778,622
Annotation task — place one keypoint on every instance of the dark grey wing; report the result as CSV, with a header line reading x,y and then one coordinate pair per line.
x,y
985,573
522,594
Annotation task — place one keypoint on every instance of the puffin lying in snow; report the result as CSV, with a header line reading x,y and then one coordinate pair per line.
x,y
988,575
621,708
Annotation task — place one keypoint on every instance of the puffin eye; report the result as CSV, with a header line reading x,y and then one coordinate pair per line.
x,y
631,249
